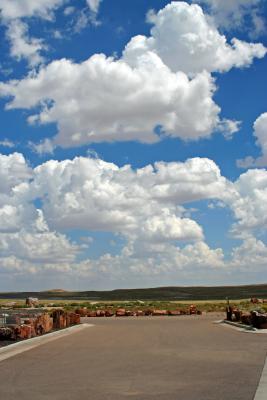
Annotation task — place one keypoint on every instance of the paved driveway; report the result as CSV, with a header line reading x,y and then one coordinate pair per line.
x,y
169,358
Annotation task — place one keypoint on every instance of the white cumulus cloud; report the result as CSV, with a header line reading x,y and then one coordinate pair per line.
x,y
250,202
230,14
92,194
22,45
13,171
104,100
14,15
252,252
186,40
260,132
148,207
13,9
148,94
146,97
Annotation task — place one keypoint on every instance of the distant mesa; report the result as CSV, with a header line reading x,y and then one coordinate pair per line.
x,y
55,291
173,293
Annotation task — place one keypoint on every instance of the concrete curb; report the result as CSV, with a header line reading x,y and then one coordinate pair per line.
x,y
262,388
242,326
29,344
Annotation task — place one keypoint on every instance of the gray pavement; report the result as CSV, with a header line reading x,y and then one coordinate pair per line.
x,y
161,358
16,348
262,388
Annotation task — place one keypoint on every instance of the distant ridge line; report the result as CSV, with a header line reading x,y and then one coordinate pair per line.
x,y
158,293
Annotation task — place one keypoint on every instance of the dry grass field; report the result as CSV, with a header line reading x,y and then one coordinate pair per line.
x,y
202,305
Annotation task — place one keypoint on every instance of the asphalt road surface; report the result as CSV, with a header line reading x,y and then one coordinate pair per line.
x,y
169,358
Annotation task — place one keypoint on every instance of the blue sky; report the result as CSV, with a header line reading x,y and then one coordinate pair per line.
x,y
133,143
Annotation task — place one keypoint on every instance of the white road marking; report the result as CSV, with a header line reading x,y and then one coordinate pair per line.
x,y
261,393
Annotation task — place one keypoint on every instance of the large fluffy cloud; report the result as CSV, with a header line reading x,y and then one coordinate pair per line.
x,y
13,171
186,40
252,252
24,233
144,206
153,263
39,248
96,195
148,207
148,93
92,194
250,205
103,100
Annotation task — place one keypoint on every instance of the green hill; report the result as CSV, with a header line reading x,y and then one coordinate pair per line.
x,y
161,293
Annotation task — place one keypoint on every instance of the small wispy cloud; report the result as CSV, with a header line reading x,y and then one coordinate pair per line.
x,y
94,5
7,143
44,147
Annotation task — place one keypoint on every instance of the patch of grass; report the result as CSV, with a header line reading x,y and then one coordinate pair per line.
x,y
202,305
